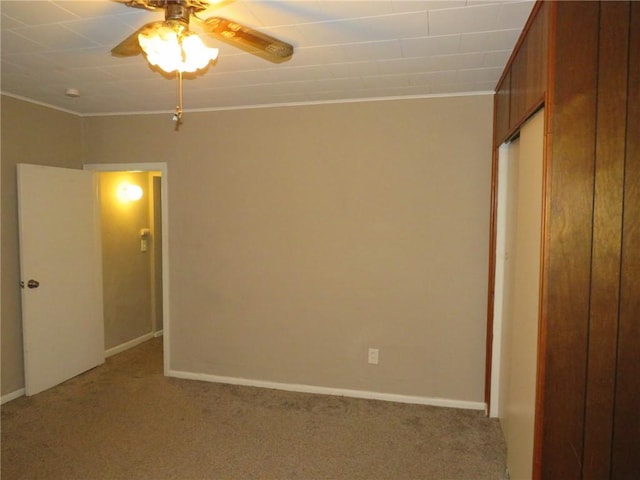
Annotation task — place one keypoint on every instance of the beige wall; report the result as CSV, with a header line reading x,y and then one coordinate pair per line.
x,y
38,135
126,269
301,236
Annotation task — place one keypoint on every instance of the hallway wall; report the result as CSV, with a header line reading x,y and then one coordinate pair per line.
x,y
126,269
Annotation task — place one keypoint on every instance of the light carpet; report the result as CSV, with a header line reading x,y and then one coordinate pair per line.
x,y
125,420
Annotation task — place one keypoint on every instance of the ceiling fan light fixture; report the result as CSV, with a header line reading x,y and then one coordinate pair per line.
x,y
170,45
176,49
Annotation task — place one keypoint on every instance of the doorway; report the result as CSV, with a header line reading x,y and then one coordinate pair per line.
x,y
135,243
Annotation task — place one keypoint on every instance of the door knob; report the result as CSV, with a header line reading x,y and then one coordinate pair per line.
x,y
33,283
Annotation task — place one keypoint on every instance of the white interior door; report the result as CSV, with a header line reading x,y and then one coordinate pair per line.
x,y
61,268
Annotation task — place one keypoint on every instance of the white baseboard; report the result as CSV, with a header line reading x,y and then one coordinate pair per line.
x,y
158,333
389,397
127,345
11,396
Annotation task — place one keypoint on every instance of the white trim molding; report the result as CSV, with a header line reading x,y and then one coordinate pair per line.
x,y
11,396
127,345
164,201
341,392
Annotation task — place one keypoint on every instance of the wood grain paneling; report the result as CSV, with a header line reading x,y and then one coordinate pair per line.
x,y
566,283
501,106
529,69
588,407
607,234
539,63
518,84
520,91
626,433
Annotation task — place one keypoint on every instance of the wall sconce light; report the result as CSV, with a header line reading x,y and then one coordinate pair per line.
x,y
129,193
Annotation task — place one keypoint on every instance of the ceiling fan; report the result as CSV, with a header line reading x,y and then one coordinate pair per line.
x,y
177,15
170,45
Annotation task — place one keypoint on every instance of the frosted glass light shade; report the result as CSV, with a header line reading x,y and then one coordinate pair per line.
x,y
176,52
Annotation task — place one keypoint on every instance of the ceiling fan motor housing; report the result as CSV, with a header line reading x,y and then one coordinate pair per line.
x,y
193,5
177,12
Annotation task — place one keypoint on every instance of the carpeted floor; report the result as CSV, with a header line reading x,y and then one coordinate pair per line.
x,y
125,420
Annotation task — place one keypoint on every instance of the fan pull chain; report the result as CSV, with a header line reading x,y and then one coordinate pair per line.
x,y
177,116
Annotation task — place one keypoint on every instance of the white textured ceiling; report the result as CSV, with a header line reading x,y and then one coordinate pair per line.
x,y
344,50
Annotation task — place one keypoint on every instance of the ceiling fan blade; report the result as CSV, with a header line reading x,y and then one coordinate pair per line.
x,y
248,39
130,45
212,4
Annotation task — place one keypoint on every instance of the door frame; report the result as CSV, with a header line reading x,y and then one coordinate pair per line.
x,y
164,206
501,227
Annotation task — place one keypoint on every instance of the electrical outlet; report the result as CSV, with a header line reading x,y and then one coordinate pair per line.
x,y
373,356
